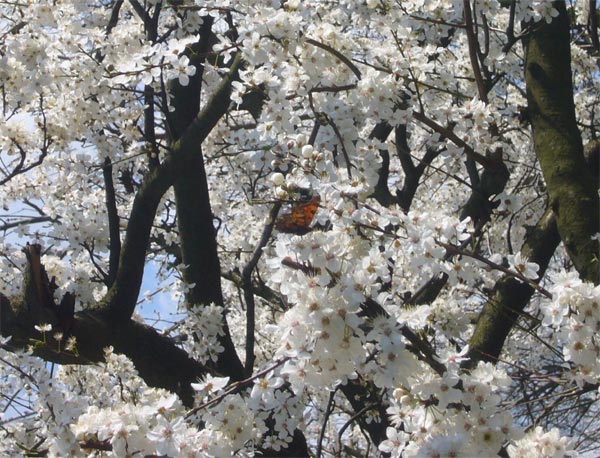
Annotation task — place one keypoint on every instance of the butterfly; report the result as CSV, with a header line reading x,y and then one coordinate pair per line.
x,y
299,219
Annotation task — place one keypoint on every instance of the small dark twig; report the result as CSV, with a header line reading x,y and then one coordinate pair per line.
x,y
341,140
90,250
289,262
328,411
450,135
248,289
337,54
236,386
345,426
32,220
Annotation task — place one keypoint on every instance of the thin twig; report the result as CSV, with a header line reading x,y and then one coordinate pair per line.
x,y
472,42
452,249
450,135
337,54
330,406
248,290
236,386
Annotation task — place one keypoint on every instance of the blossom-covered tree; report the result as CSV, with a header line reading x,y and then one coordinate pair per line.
x,y
372,225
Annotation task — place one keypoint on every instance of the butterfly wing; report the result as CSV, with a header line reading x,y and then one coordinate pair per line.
x,y
300,217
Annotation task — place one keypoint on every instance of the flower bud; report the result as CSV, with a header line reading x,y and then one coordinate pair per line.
x,y
277,179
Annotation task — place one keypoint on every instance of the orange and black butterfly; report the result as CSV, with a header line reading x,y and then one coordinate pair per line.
x,y
299,219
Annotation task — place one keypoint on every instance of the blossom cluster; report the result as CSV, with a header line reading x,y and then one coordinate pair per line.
x,y
450,415
201,331
573,315
320,82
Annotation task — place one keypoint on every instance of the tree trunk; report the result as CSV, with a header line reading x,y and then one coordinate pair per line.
x,y
557,141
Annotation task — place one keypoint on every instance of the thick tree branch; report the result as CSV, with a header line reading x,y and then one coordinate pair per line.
x,y
158,360
195,219
557,142
114,16
593,24
212,112
141,12
382,192
510,296
121,298
412,172
493,181
198,244
113,222
186,99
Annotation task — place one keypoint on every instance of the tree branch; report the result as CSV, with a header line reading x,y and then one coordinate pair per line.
x,y
113,223
121,298
557,142
593,24
195,219
450,135
248,289
472,42
158,360
510,296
